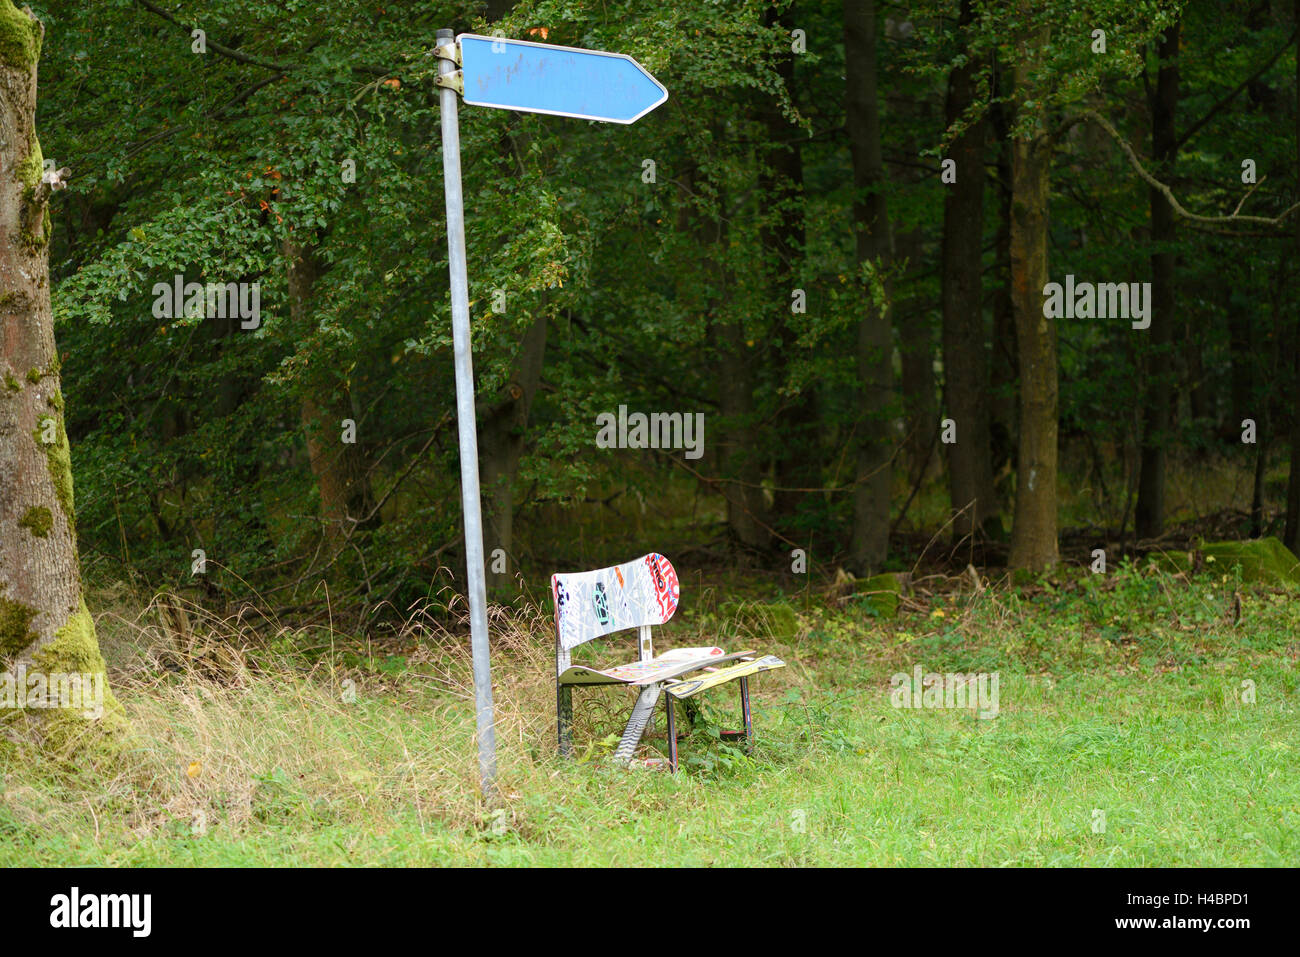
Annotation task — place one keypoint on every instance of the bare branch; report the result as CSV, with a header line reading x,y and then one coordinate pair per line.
x,y
217,47
1169,193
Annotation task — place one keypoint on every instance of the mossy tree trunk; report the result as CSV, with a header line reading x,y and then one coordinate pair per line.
x,y
44,624
1033,532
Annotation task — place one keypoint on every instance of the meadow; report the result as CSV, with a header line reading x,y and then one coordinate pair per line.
x,y
1144,719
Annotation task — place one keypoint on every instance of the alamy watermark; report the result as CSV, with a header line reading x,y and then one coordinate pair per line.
x,y
658,430
82,692
133,912
213,300
1105,300
921,689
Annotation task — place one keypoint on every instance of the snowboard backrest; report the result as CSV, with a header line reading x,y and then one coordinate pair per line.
x,y
635,594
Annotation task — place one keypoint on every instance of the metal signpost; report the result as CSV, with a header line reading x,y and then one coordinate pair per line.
x,y
532,78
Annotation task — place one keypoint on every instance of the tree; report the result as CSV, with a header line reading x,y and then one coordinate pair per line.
x,y
1033,533
874,248
336,464
1158,401
1291,533
781,176
44,623
965,361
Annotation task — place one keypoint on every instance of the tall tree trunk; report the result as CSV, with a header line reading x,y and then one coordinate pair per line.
x,y
747,512
1003,419
1033,533
1291,534
732,459
336,465
965,360
797,454
739,457
1242,352
1160,390
1200,397
874,245
916,366
502,435
45,626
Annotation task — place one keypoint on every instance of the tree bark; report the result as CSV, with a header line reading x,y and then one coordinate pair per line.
x,y
1003,425
796,453
1291,533
874,245
1242,351
502,436
337,466
1033,533
917,386
965,359
45,626
1160,391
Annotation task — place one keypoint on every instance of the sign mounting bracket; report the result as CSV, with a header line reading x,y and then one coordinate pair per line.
x,y
454,80
448,51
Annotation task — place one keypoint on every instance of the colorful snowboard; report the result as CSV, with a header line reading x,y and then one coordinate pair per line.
x,y
636,593
693,686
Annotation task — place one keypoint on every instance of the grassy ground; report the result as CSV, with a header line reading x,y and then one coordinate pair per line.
x,y
1142,720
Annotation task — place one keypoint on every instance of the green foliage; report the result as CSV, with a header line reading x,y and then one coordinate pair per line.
x,y
189,431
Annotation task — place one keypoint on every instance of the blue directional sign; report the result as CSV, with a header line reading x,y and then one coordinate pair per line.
x,y
562,81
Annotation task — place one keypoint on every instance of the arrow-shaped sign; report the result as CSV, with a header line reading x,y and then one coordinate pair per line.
x,y
561,81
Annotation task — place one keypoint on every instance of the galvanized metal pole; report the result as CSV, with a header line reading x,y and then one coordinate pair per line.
x,y
469,491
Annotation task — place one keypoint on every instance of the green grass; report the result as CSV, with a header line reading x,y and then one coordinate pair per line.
x,y
1122,695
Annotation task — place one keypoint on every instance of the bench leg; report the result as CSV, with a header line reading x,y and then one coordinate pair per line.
x,y
672,733
744,707
641,712
564,719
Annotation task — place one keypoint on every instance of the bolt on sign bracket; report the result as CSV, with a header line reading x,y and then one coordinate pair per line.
x,y
448,51
454,80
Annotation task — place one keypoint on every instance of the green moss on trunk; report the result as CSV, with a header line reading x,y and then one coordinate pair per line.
x,y
20,37
35,227
69,732
59,460
38,520
28,172
15,626
36,236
